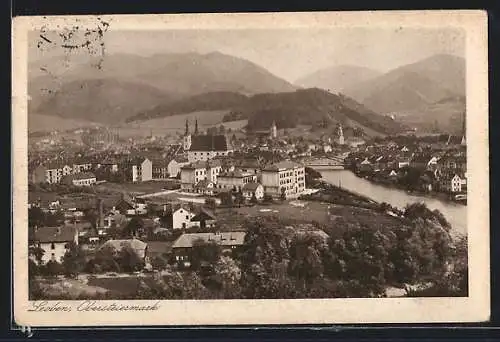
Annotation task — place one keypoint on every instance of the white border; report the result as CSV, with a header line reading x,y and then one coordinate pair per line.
x,y
474,308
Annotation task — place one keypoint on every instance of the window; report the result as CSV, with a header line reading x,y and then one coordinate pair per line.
x,y
187,217
52,246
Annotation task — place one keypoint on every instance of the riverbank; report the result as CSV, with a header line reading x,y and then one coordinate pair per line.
x,y
455,213
421,193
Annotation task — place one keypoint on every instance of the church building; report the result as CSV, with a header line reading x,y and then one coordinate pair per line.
x,y
202,147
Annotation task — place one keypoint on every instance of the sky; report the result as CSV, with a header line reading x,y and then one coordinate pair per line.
x,y
289,53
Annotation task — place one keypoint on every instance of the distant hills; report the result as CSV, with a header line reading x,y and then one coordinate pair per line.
x,y
410,90
121,85
337,78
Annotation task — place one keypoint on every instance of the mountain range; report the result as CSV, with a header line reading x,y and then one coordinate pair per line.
x,y
406,92
118,86
124,88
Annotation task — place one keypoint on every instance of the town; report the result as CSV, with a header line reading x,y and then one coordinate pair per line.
x,y
110,216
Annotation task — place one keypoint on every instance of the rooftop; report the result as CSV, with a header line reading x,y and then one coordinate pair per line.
x,y
223,239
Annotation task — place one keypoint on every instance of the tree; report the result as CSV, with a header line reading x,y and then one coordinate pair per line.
x,y
210,203
158,263
36,252
283,194
254,199
133,228
53,268
226,278
36,217
129,261
204,252
73,260
104,261
306,253
226,198
239,199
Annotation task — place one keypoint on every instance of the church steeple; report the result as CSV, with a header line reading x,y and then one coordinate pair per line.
x,y
196,127
186,132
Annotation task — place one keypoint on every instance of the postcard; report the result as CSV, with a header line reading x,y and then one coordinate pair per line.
x,y
264,168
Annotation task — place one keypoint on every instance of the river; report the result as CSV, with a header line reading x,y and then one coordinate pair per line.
x,y
455,213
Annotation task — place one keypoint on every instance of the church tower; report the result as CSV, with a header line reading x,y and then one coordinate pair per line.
x,y
187,138
340,135
196,127
464,140
273,131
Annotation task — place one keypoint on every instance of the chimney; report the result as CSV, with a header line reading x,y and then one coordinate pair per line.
x,y
101,214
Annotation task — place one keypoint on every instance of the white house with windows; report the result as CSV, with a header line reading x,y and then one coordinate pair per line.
x,y
54,241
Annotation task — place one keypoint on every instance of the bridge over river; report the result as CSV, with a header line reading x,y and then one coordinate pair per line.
x,y
325,163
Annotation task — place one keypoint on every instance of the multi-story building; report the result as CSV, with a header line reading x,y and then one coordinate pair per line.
x,y
284,177
80,179
160,169
235,180
138,169
193,173
206,147
51,173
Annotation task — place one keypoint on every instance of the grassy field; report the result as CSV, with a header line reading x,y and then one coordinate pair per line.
x,y
135,188
335,218
172,125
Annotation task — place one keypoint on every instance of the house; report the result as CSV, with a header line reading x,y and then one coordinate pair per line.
x,y
175,165
51,173
285,177
138,246
81,165
195,172
365,166
234,180
109,164
229,242
125,205
206,147
54,241
253,189
204,187
159,168
179,217
137,169
247,166
204,218
80,179
451,183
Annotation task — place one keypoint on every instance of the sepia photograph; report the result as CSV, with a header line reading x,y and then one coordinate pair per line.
x,y
167,162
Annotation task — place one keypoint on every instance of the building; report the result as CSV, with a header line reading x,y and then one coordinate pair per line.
x,y
139,169
451,183
174,166
273,132
80,179
253,189
81,165
229,242
204,219
193,173
206,147
51,173
235,180
54,241
179,217
340,136
159,169
284,177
